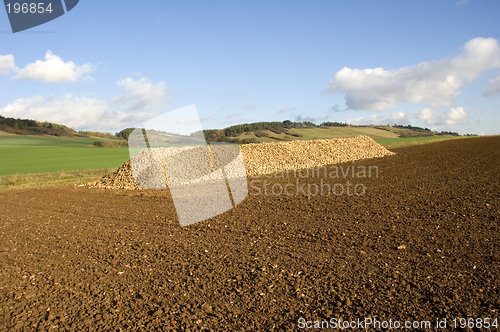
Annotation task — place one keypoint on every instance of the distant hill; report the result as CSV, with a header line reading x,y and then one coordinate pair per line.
x,y
33,127
287,130
256,132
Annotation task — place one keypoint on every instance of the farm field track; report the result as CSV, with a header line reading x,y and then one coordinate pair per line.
x,y
420,244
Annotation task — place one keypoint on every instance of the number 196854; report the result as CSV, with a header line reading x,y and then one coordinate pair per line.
x,y
29,8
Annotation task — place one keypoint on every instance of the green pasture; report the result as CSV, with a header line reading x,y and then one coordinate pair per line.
x,y
24,141
34,155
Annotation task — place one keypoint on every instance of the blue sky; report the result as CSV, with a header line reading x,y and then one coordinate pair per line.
x,y
110,64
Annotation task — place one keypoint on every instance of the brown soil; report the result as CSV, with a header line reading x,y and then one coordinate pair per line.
x,y
421,244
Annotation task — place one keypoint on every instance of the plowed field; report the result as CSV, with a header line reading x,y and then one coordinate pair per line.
x,y
420,244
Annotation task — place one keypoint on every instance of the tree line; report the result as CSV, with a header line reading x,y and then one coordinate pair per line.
x,y
34,127
276,127
27,126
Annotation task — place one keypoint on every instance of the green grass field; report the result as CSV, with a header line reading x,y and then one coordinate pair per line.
x,y
13,141
34,155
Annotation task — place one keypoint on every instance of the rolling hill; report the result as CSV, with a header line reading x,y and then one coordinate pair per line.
x,y
287,130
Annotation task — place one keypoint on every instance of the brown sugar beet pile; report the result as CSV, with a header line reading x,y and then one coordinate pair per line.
x,y
420,244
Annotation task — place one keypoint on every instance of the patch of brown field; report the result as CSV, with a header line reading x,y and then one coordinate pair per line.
x,y
420,244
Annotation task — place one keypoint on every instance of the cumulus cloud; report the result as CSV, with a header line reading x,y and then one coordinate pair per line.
x,y
436,82
54,70
493,87
141,95
80,113
7,64
426,115
397,115
372,119
453,116
250,106
140,103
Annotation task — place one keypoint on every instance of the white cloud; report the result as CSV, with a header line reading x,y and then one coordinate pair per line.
x,y
493,87
80,113
434,82
7,64
396,116
54,70
426,115
401,118
250,106
141,95
139,104
453,116
372,119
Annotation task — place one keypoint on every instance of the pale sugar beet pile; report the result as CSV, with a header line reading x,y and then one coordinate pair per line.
x,y
267,158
